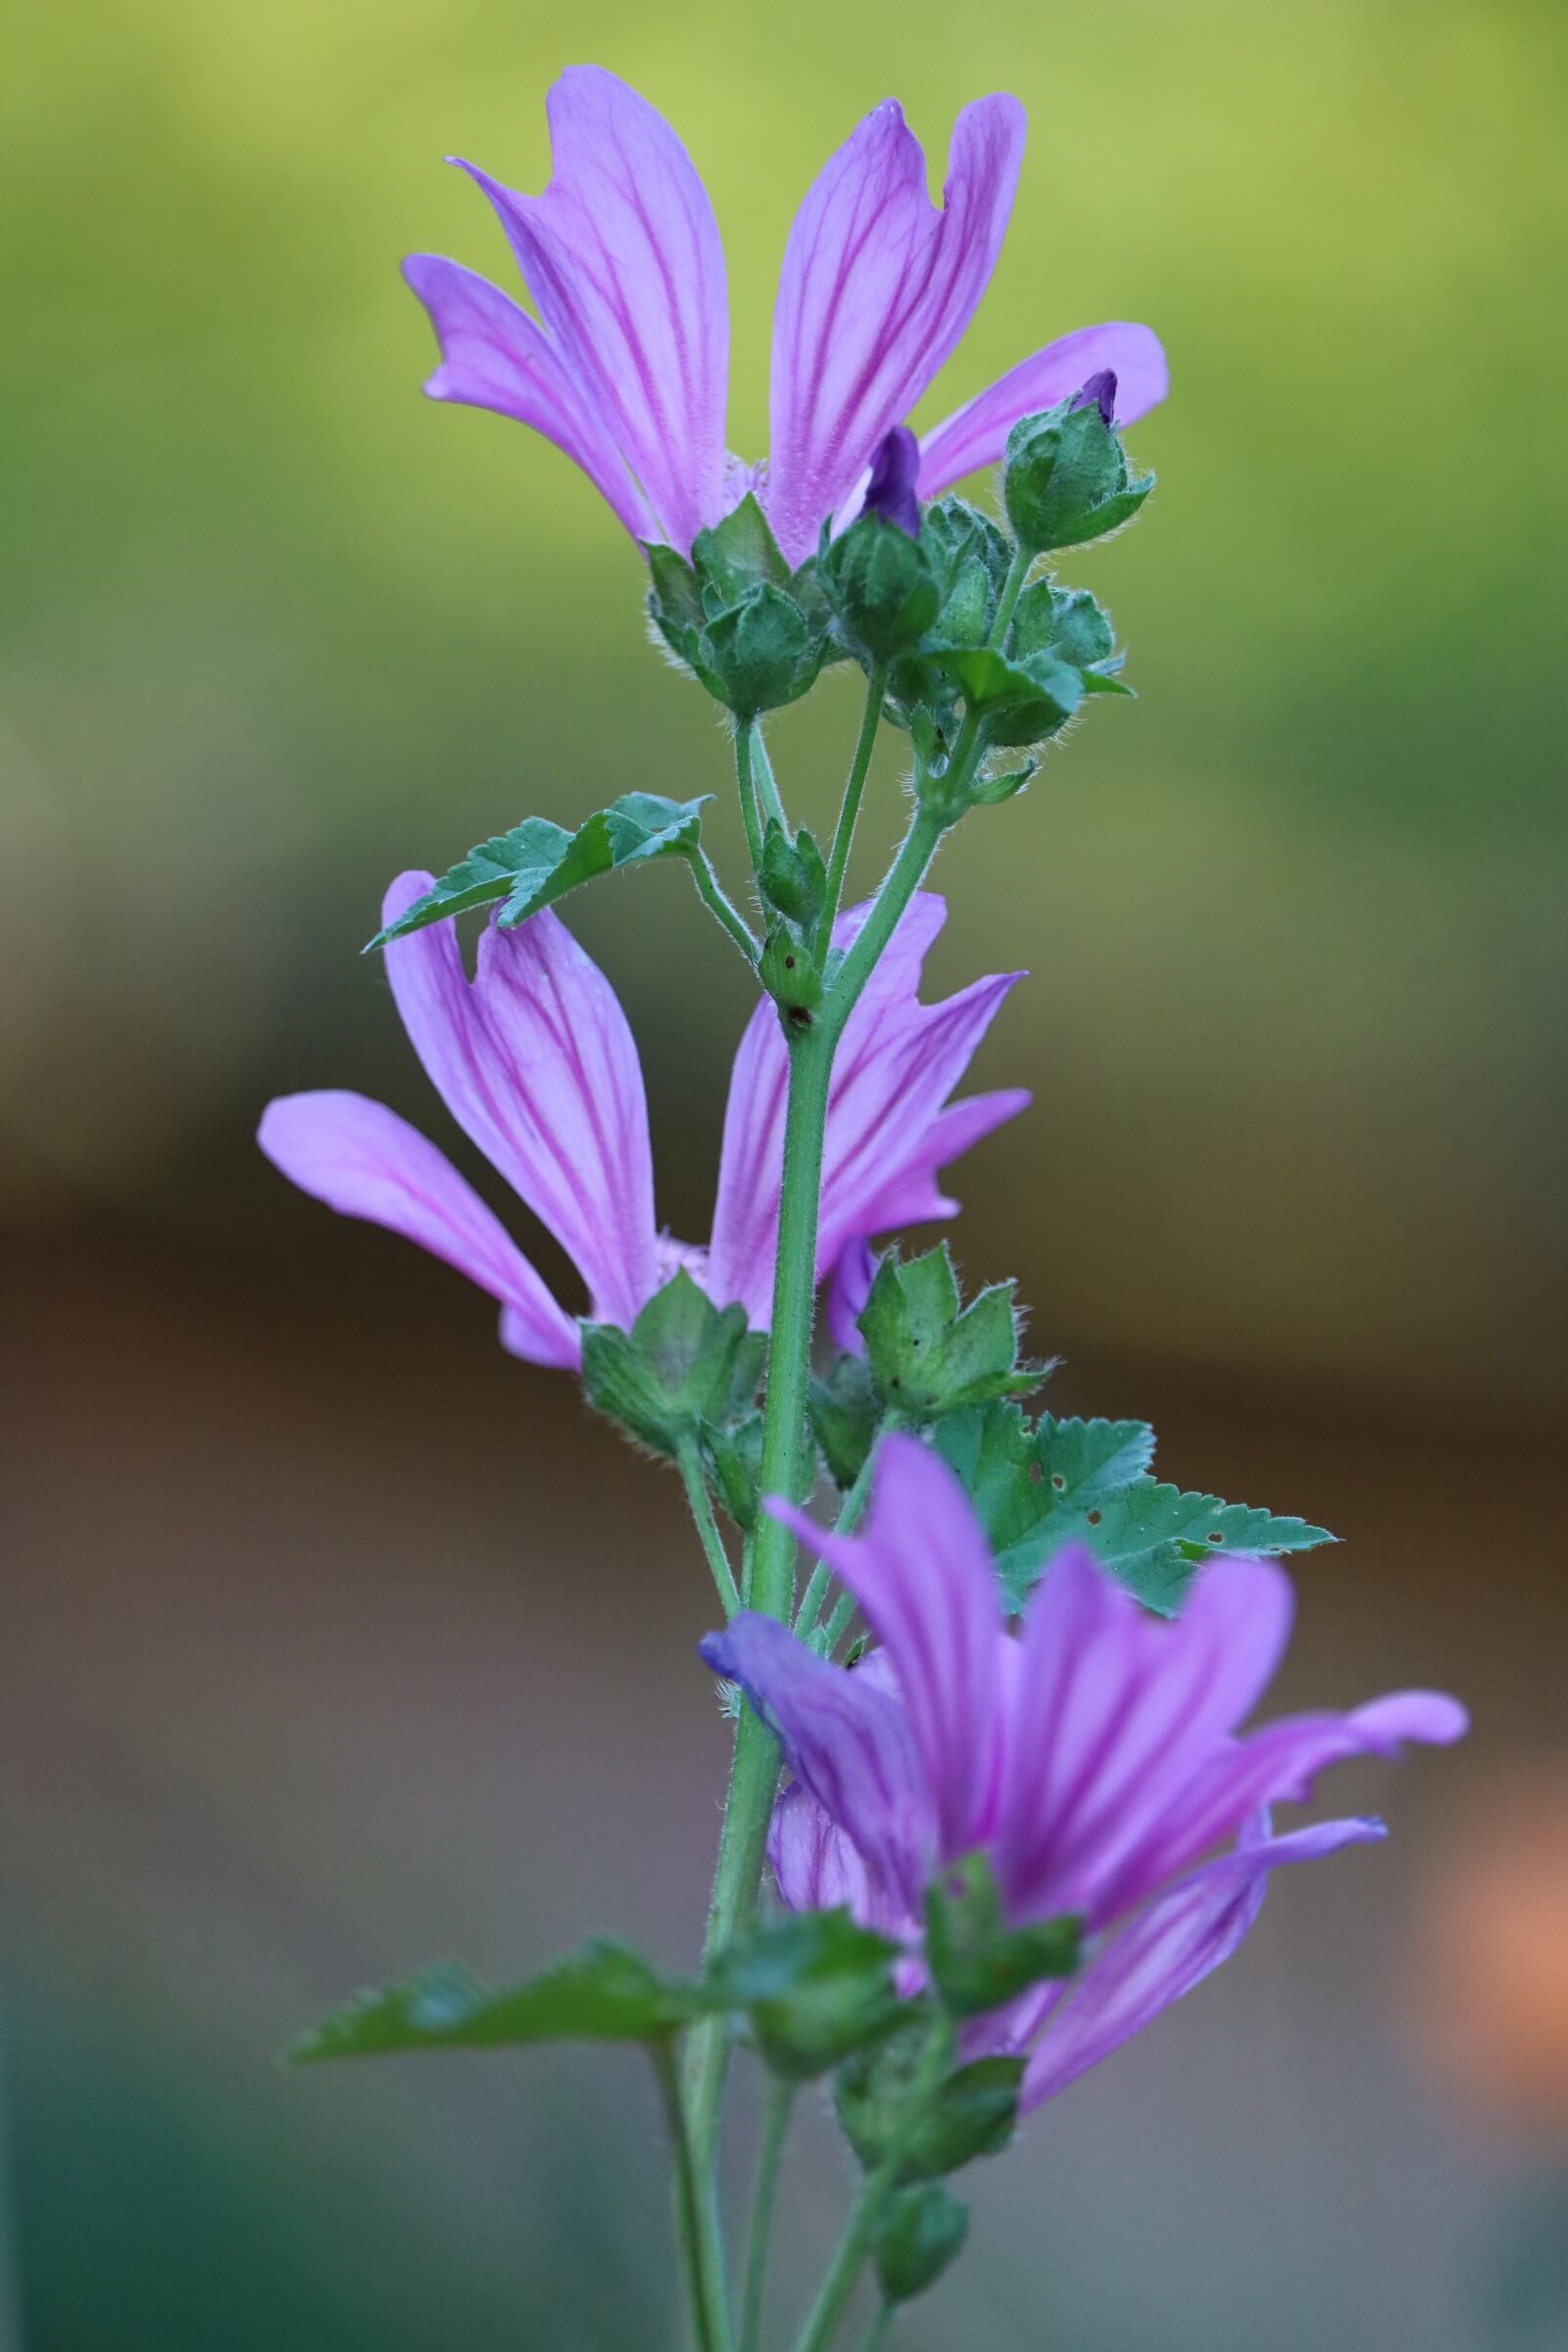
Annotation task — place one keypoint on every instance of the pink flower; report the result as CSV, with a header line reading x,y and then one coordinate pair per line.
x,y
535,1059
1095,1757
627,366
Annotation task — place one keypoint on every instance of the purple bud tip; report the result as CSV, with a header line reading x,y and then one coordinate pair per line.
x,y
895,471
1099,392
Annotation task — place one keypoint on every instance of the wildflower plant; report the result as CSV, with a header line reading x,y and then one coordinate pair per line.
x,y
970,1853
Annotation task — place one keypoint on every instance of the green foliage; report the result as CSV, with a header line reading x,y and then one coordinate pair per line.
x,y
972,2112
814,1988
880,585
846,1416
685,1370
1072,1480
1072,627
603,1992
538,862
920,2232
1020,700
733,1457
1065,479
978,1961
929,1354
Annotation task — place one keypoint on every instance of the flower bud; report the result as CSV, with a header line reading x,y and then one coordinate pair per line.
x,y
1065,478
761,651
879,584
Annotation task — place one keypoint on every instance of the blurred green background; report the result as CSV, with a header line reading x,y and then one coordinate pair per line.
x,y
338,1640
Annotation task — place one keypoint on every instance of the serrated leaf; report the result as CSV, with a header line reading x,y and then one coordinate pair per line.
x,y
1152,1536
603,1992
1022,1480
1083,1460
538,862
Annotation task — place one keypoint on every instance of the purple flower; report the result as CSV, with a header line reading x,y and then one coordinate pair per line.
x,y
627,366
535,1059
1095,1757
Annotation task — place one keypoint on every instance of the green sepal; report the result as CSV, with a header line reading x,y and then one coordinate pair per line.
x,y
1072,626
920,2232
956,534
1065,479
603,1992
734,1459
760,652
815,1988
736,554
846,1414
538,862
685,1366
794,877
1019,701
880,585
973,2111
675,598
928,1354
976,1960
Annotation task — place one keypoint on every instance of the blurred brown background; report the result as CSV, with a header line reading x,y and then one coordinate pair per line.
x,y
337,1641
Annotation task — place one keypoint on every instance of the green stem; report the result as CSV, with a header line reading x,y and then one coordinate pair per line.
x,y
1011,589
767,783
849,809
904,877
697,1494
850,1511
702,2255
746,777
712,895
844,2271
838,1623
881,2328
775,2129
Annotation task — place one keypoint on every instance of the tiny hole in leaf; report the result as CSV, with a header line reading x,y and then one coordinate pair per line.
x,y
1092,1518
789,964
1058,1482
1215,1537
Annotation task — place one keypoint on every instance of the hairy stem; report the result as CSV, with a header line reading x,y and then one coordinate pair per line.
x,y
715,898
881,2328
853,790
775,2129
844,2271
768,794
697,1494
745,744
1011,589
701,2254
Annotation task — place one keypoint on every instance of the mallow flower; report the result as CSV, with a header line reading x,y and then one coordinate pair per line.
x,y
626,366
535,1060
1094,1757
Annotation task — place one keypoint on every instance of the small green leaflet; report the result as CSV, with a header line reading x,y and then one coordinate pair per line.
x,y
538,862
1072,1481
603,1992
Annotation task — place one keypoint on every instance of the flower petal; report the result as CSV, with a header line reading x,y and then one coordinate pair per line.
x,y
622,256
877,286
976,434
1276,1764
852,1278
1113,1711
887,1130
535,1062
847,1741
1167,1950
922,1574
494,355
365,1161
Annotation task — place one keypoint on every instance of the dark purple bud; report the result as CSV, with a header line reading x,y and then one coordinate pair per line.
x,y
1099,392
894,470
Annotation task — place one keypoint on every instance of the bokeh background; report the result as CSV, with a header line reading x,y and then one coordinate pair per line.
x,y
334,1640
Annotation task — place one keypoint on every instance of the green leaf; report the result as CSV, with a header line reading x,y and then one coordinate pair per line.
x,y
930,1356
972,2113
1019,1479
814,1986
684,1364
1081,1461
920,2234
734,1458
538,862
846,1416
978,1961
1152,1536
603,1992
